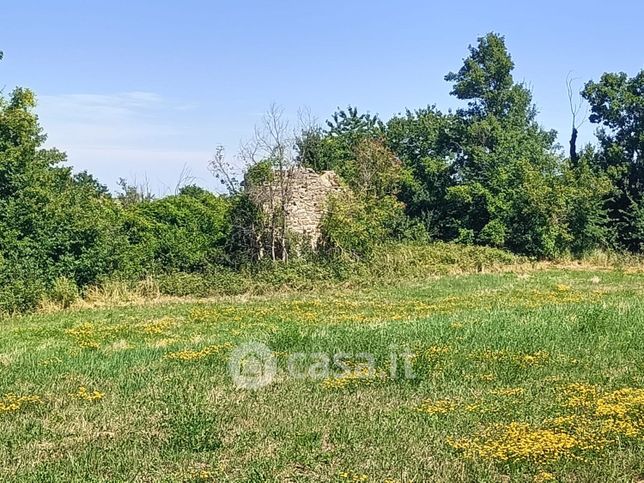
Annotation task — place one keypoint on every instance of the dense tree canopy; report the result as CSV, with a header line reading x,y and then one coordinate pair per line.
x,y
52,224
617,105
490,174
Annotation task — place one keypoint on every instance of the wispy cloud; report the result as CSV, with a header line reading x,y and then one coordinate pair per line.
x,y
145,111
130,134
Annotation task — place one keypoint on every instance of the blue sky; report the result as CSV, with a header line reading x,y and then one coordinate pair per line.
x,y
142,89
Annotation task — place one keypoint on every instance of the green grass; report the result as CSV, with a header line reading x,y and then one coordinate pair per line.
x,y
490,350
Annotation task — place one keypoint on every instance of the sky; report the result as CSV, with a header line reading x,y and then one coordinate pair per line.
x,y
146,90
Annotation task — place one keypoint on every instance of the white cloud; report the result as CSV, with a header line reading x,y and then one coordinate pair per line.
x,y
132,134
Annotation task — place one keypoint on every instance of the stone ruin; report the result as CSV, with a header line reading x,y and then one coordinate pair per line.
x,y
306,195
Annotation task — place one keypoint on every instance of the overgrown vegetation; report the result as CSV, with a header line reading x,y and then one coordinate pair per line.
x,y
517,377
487,174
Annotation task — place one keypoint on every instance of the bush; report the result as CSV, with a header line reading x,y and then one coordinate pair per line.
x,y
64,292
493,234
185,232
355,224
215,282
21,285
246,225
395,261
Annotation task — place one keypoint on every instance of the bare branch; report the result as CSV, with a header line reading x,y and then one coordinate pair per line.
x,y
224,171
576,102
185,178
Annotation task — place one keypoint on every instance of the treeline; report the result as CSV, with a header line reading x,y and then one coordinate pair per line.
x,y
490,174
486,174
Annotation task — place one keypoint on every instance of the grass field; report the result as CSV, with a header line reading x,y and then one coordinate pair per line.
x,y
517,377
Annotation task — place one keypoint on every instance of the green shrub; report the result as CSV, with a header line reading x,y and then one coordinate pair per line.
x,y
215,282
465,236
64,292
21,285
354,224
246,224
493,234
408,261
185,232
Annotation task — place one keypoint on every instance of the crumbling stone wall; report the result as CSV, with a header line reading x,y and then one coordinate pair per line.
x,y
305,193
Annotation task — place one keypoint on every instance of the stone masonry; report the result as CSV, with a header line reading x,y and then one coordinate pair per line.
x,y
306,199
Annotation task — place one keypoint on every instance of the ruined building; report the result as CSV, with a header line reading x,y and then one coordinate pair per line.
x,y
305,194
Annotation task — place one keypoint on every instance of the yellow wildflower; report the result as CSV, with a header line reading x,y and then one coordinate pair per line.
x,y
12,402
86,395
442,406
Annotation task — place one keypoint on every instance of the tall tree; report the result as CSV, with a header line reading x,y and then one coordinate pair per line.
x,y
617,106
52,224
507,193
425,142
334,148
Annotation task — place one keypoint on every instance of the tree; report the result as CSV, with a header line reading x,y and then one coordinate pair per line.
x,y
485,80
425,142
52,224
617,106
268,161
224,171
575,103
586,191
335,148
505,167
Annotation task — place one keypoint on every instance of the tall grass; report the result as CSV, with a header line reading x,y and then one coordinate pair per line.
x,y
390,263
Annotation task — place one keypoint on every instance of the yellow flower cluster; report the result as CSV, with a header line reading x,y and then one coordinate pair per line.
x,y
350,476
156,327
84,335
621,403
487,377
518,441
87,335
86,395
508,391
544,476
192,355
205,472
599,420
526,360
12,402
347,475
557,296
363,376
434,352
202,475
579,395
490,355
442,406
604,418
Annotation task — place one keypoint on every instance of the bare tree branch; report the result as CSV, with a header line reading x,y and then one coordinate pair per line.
x,y
223,171
576,102
185,178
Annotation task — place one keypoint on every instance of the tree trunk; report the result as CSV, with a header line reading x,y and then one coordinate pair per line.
x,y
574,157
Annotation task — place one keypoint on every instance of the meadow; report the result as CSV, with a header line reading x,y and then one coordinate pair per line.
x,y
518,376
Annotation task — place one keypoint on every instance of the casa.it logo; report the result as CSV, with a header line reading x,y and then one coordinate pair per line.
x,y
252,366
